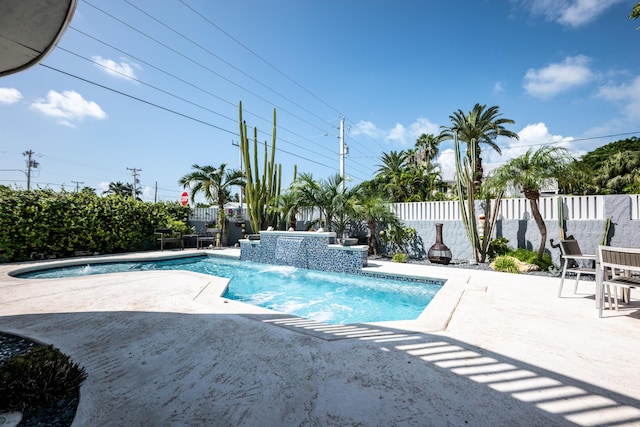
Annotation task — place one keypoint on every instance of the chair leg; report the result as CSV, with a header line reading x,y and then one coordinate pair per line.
x,y
613,295
564,273
575,286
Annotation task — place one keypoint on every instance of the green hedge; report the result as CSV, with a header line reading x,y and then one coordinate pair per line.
x,y
60,223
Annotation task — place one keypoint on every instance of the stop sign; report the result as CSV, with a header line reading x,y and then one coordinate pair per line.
x,y
184,198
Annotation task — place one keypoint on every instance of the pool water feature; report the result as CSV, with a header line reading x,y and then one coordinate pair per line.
x,y
323,296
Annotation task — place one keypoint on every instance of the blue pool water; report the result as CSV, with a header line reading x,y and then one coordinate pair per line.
x,y
322,296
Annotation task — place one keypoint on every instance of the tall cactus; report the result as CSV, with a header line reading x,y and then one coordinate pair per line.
x,y
260,189
466,185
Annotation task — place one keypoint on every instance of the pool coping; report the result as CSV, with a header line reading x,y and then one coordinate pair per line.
x,y
500,321
435,317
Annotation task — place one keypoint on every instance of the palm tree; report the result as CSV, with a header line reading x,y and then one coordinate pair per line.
x,y
324,195
392,163
374,210
480,125
215,183
619,174
635,12
530,172
393,172
427,147
121,189
286,205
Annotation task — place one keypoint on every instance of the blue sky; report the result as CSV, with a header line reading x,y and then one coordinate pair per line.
x,y
155,85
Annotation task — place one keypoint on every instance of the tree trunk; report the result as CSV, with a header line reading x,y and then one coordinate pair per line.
x,y
222,225
293,221
534,196
373,242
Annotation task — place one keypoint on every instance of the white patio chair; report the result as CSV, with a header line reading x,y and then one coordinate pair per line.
x,y
619,268
576,262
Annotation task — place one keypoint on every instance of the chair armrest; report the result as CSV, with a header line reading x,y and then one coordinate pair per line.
x,y
583,256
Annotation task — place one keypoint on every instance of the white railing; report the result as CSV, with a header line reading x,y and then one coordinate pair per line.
x,y
583,207
635,206
575,208
204,214
308,214
437,211
232,211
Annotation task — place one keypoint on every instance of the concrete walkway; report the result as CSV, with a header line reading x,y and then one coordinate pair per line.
x,y
162,348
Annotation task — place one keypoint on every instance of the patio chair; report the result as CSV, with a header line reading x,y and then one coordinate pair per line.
x,y
168,236
575,261
208,238
619,268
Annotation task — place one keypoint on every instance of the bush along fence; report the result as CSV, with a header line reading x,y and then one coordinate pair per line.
x,y
583,217
46,224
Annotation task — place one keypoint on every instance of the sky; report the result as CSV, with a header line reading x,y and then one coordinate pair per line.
x,y
154,86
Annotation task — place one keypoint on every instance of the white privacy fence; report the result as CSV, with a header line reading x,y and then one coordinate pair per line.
x,y
574,208
204,214
418,211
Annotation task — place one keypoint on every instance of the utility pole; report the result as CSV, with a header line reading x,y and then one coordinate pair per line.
x,y
77,183
134,173
30,164
344,150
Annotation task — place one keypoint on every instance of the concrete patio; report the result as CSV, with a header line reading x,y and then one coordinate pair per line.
x,y
162,348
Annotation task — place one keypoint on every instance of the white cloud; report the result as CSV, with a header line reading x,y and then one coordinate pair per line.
x,y
627,94
68,106
498,88
532,136
148,193
399,134
102,186
447,162
117,69
420,126
9,95
559,77
580,12
572,13
368,129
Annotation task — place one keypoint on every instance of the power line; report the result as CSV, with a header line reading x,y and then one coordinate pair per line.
x,y
206,68
259,57
170,110
137,98
241,71
572,140
176,96
217,74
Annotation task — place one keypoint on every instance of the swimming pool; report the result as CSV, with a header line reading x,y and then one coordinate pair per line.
x,y
326,297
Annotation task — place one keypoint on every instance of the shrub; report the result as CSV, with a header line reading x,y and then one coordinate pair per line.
x,y
399,257
398,238
40,376
59,223
499,246
505,263
531,257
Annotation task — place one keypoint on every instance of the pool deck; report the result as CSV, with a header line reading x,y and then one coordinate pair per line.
x,y
162,348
